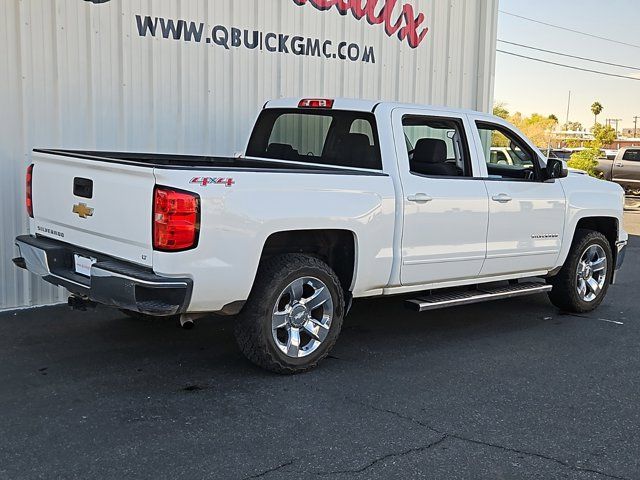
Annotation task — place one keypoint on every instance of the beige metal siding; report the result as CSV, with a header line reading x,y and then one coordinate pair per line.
x,y
75,74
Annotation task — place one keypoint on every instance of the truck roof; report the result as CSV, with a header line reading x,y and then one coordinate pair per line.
x,y
363,105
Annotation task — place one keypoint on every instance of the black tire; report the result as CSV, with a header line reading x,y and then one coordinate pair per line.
x,y
253,328
564,294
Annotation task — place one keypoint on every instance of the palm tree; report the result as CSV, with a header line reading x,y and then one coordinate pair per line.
x,y
596,109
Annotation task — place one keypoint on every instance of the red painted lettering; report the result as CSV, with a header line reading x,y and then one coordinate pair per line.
x,y
407,25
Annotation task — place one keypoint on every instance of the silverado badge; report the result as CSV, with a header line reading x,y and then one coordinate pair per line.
x,y
82,210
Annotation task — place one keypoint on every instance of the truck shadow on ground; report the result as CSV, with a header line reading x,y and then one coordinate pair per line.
x,y
376,330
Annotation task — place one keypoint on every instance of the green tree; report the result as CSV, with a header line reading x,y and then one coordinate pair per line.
x,y
574,143
586,160
536,127
596,109
573,126
603,134
500,110
554,118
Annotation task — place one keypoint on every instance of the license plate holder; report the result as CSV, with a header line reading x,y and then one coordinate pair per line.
x,y
82,265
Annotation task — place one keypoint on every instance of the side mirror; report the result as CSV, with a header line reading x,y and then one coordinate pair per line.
x,y
556,168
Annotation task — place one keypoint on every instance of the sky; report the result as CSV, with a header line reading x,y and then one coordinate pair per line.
x,y
532,87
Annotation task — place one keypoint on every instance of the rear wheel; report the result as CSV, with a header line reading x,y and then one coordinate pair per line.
x,y
584,279
293,315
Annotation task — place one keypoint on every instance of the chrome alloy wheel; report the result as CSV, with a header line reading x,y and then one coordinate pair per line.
x,y
592,273
302,317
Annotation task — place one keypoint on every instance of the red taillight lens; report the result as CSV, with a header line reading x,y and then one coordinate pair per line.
x,y
29,199
176,219
316,103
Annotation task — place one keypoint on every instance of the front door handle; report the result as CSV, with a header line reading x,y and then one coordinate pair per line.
x,y
419,198
501,198
619,165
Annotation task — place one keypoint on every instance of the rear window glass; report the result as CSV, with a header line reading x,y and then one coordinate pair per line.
x,y
328,137
633,155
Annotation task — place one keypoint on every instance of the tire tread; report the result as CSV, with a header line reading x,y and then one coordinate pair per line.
x,y
248,330
564,294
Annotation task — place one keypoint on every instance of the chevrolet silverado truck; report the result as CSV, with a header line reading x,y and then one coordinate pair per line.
x,y
333,199
624,169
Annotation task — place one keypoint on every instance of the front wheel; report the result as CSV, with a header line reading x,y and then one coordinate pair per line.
x,y
582,283
293,315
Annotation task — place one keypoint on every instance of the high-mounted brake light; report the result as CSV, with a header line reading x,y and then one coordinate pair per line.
x,y
29,198
316,103
176,219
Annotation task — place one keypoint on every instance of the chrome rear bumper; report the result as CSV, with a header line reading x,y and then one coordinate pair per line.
x,y
113,282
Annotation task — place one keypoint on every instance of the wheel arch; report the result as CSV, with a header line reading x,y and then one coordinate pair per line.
x,y
609,226
336,247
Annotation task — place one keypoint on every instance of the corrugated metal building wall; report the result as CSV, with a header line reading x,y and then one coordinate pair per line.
x,y
78,74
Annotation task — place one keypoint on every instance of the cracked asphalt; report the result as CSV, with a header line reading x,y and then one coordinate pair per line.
x,y
507,390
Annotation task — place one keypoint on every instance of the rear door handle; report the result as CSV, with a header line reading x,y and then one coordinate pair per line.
x,y
419,198
501,198
619,165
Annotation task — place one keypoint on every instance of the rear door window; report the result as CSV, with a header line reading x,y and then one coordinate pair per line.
x,y
328,137
437,147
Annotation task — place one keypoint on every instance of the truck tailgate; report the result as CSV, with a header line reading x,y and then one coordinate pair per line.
x,y
100,206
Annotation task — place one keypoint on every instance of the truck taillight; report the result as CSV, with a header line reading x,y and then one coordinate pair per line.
x,y
29,199
176,219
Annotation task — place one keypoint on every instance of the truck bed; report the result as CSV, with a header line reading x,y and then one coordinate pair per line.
x,y
202,162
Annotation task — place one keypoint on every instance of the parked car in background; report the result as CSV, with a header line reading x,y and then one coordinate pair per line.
x,y
624,169
565,153
506,156
332,200
561,153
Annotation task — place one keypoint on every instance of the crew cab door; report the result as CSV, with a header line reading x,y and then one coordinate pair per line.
x,y
626,168
526,212
445,210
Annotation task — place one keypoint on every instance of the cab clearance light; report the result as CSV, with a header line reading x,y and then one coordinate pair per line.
x,y
316,103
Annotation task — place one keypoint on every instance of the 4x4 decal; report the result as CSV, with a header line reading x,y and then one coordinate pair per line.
x,y
204,181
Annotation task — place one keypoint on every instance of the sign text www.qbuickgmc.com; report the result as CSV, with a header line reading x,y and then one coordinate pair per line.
x,y
232,37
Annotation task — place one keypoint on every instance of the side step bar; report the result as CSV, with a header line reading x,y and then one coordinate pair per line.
x,y
481,294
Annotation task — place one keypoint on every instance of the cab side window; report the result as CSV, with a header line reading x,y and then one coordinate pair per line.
x,y
632,155
437,147
507,156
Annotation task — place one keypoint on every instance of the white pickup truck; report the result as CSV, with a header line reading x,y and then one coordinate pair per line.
x,y
332,200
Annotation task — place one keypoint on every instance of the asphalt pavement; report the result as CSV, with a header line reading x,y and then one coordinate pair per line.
x,y
507,390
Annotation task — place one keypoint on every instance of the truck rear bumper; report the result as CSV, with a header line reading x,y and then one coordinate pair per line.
x,y
112,282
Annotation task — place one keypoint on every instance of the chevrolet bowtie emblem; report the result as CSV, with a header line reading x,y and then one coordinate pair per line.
x,y
82,210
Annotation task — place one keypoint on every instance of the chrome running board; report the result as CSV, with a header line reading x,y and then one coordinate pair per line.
x,y
480,294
